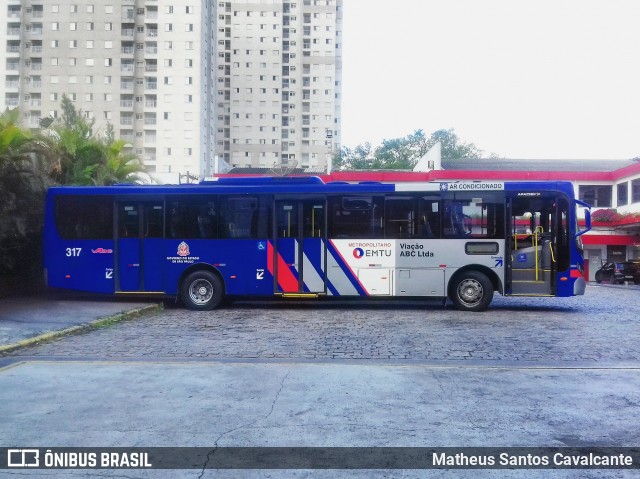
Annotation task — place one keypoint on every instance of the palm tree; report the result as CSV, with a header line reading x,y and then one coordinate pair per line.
x,y
78,157
74,152
120,166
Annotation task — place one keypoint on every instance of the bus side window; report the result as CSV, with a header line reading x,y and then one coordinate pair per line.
x,y
84,217
399,219
429,219
191,218
356,217
239,217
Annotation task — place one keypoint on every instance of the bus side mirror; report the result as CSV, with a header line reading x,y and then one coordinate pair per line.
x,y
587,218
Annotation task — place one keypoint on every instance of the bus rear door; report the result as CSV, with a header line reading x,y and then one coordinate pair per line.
x,y
300,247
139,246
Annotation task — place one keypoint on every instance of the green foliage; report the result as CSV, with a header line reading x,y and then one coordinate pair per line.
x,y
66,152
21,197
78,157
404,153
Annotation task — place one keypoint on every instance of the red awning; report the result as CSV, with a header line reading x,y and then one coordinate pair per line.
x,y
613,240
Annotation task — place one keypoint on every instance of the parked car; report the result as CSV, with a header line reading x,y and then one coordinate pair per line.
x,y
618,273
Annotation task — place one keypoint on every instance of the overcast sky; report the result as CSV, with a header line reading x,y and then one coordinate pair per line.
x,y
548,79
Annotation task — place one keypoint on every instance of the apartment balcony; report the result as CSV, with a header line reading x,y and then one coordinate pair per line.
x,y
127,32
13,32
126,103
13,48
151,50
151,68
13,66
128,120
36,66
12,102
128,86
152,33
36,84
151,104
127,50
36,48
127,68
35,102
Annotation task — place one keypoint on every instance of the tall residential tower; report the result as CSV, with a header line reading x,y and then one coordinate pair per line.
x,y
278,82
253,82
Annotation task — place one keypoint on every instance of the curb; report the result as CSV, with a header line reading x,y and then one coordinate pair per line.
x,y
95,324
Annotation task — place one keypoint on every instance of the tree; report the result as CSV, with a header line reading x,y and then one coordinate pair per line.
x,y
452,147
359,158
120,166
404,153
78,157
21,197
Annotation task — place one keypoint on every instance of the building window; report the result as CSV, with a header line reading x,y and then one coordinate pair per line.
x,y
635,191
623,194
598,196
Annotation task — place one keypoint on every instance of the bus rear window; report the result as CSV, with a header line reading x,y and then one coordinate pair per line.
x,y
84,217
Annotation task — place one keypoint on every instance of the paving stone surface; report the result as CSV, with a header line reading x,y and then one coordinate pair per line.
x,y
603,326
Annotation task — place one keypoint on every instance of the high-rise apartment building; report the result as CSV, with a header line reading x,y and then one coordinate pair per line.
x,y
145,66
278,82
255,82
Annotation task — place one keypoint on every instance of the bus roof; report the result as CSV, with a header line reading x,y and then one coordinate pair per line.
x,y
311,185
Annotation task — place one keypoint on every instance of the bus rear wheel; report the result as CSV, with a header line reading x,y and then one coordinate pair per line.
x,y
202,291
471,291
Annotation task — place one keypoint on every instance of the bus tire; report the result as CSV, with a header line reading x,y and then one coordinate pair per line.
x,y
471,291
202,291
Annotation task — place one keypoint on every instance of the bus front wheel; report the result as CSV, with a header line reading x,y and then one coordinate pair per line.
x,y
471,291
202,291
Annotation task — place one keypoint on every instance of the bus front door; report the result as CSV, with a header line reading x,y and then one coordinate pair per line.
x,y
139,243
538,244
299,255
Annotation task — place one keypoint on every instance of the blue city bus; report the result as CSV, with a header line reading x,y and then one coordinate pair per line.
x,y
299,237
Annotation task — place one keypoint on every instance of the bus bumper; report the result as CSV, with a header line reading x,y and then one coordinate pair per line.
x,y
579,286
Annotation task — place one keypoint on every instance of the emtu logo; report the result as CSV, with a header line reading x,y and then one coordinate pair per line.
x,y
358,253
